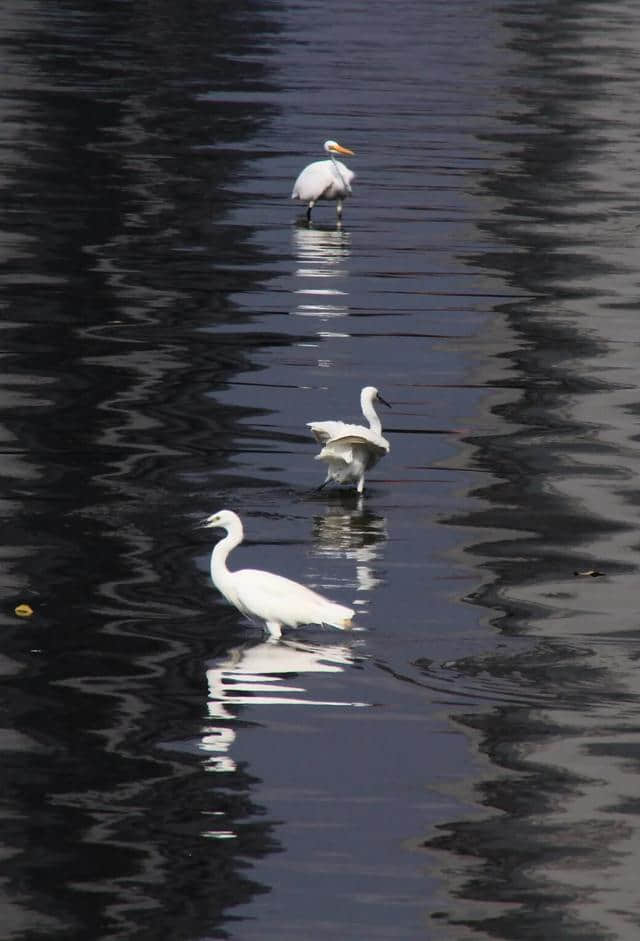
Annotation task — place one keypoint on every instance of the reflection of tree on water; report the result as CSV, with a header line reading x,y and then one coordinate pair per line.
x,y
563,842
348,530
320,255
264,674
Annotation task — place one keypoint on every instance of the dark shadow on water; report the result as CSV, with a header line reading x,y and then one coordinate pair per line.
x,y
117,277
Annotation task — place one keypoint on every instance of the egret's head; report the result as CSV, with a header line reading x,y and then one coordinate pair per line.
x,y
223,519
371,394
333,147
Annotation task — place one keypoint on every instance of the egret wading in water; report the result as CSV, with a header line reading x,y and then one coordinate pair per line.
x,y
278,601
351,450
325,179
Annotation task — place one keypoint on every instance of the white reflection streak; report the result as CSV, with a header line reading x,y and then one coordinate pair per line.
x,y
320,253
261,675
352,535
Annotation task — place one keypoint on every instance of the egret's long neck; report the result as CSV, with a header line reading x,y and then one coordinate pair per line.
x,y
371,415
220,574
340,176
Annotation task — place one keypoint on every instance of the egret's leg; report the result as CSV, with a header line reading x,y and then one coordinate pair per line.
x,y
323,484
339,209
309,208
361,484
274,628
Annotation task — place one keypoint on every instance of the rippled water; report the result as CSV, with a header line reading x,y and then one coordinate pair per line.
x,y
464,765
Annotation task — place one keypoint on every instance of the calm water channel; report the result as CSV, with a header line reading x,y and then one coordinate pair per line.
x,y
466,764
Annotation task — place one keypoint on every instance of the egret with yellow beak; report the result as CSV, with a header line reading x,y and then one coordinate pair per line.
x,y
325,179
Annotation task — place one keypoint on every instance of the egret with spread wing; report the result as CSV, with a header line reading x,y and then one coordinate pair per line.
x,y
325,179
351,450
278,601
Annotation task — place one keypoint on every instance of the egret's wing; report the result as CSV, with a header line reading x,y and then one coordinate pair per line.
x,y
330,430
347,175
324,430
276,598
355,445
314,180
364,438
259,591
331,455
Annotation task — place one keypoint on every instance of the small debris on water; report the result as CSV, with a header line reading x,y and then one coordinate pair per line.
x,y
24,611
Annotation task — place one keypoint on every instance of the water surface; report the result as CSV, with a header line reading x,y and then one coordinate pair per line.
x,y
464,765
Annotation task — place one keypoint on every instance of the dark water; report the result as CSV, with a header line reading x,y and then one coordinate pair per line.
x,y
466,765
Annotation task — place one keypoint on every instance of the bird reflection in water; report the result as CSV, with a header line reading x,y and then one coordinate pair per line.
x,y
265,674
346,530
321,255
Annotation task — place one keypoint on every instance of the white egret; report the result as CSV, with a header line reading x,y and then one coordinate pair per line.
x,y
350,450
325,179
278,601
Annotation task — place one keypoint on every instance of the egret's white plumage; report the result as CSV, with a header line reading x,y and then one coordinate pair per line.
x,y
351,450
325,179
278,601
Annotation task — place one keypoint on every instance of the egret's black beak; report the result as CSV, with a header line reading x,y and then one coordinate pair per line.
x,y
384,401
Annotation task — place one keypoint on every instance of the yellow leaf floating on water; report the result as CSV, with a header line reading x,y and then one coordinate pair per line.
x,y
24,611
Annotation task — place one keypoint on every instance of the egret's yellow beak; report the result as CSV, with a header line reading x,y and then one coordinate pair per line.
x,y
342,150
